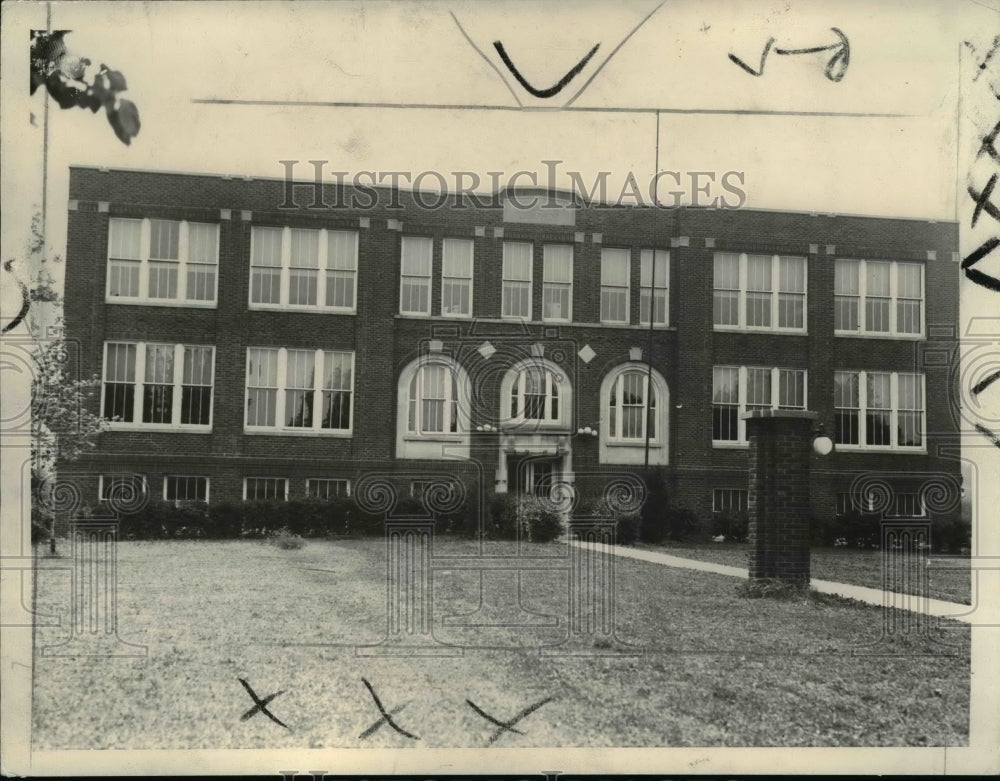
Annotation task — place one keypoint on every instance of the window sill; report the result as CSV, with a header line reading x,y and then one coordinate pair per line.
x,y
164,427
164,302
727,445
314,310
432,438
293,432
639,444
879,335
879,449
736,329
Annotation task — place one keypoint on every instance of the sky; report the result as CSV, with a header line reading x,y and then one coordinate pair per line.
x,y
672,56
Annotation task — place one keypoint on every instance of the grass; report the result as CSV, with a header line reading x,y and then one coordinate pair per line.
x,y
841,565
713,663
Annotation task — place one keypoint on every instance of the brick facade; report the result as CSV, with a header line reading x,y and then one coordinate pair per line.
x,y
385,342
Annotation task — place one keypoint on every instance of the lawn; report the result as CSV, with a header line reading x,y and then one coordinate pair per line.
x,y
951,583
702,667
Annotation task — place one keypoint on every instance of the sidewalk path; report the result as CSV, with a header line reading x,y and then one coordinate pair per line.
x,y
935,607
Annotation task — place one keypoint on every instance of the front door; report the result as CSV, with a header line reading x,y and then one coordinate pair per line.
x,y
529,475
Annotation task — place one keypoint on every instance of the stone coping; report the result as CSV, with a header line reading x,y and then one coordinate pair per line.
x,y
794,414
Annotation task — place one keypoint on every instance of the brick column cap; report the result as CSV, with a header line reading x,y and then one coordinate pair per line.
x,y
790,414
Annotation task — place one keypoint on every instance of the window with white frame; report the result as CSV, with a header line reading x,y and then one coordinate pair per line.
x,y
535,394
303,268
456,277
614,285
265,489
299,391
432,400
628,413
878,297
126,489
557,282
653,276
759,292
185,488
416,263
162,261
739,389
883,410
166,385
516,288
730,501
328,487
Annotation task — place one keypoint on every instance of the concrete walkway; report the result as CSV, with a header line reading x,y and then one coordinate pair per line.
x,y
874,596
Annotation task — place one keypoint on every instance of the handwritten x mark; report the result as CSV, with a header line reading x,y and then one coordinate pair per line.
x,y
386,717
260,705
507,726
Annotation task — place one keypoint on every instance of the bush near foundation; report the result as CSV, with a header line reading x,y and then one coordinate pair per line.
x,y
628,525
733,525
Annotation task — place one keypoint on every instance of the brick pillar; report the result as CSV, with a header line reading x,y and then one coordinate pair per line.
x,y
780,446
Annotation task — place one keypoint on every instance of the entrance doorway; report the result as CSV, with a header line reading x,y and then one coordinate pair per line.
x,y
531,474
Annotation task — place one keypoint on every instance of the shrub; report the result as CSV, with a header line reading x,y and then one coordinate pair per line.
x,y
628,525
504,521
263,517
539,518
225,520
285,539
734,525
950,534
853,530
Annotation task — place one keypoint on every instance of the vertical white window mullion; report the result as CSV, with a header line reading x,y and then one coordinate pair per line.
x,y
177,379
140,384
741,317
145,234
862,296
324,254
893,409
893,293
775,286
317,399
286,260
182,260
741,402
862,408
104,378
522,380
279,400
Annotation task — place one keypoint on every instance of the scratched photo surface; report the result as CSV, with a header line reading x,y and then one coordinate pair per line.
x,y
524,378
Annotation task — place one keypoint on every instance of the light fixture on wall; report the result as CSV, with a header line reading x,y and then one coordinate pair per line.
x,y
587,431
821,443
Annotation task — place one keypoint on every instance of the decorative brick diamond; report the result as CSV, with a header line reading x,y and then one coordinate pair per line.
x,y
586,353
486,350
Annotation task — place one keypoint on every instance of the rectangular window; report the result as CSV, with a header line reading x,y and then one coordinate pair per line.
x,y
265,489
759,292
158,384
162,261
653,277
341,270
415,275
730,501
516,293
184,488
845,505
879,410
740,389
303,268
615,265
299,390
262,386
327,488
126,489
557,282
303,271
907,505
878,297
456,277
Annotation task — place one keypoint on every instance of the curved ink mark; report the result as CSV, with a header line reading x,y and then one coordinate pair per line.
x,y
982,385
763,56
556,88
25,300
974,274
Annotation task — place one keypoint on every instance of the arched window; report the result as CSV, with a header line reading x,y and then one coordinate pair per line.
x,y
535,392
634,416
628,413
432,404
